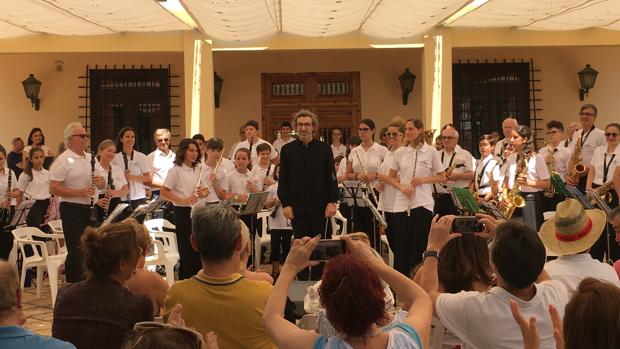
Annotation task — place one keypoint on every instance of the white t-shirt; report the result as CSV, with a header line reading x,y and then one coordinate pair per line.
x,y
181,181
74,172
259,173
138,166
371,158
45,148
570,270
536,170
4,181
36,189
387,198
428,164
339,150
463,163
221,177
589,142
253,153
601,158
482,180
279,143
237,183
278,221
160,163
118,176
483,319
499,147
561,158
227,165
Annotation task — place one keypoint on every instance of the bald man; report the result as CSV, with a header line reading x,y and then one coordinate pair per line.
x,y
508,125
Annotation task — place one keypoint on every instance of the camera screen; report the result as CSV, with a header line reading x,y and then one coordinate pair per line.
x,y
327,249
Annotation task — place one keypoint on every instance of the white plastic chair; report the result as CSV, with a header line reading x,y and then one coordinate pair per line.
x,y
24,237
264,240
168,244
56,226
158,257
384,241
338,217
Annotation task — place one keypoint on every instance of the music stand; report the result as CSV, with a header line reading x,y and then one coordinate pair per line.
x,y
576,194
114,216
21,212
255,204
493,210
464,200
141,211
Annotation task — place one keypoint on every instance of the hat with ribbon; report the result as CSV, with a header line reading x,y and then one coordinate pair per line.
x,y
572,230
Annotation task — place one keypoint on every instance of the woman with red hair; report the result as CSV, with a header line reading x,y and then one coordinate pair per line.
x,y
353,298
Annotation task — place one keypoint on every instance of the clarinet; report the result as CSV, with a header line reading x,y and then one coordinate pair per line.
x,y
126,161
110,186
5,213
93,221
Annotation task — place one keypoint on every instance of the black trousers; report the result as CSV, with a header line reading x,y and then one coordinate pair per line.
x,y
6,237
189,259
364,221
309,225
608,238
75,219
280,244
36,215
391,220
444,205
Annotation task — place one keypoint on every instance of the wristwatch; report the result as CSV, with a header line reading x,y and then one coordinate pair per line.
x,y
430,254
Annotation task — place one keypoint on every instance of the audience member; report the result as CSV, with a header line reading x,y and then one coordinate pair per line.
x,y
144,282
219,298
570,234
12,334
96,313
15,158
353,296
480,319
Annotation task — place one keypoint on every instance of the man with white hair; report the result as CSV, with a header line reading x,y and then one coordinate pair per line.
x,y
160,160
12,334
508,125
71,179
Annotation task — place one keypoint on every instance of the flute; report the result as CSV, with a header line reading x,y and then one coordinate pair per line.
x,y
369,186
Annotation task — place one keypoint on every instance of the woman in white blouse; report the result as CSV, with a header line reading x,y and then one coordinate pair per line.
x,y
116,184
134,163
36,139
604,162
337,147
34,184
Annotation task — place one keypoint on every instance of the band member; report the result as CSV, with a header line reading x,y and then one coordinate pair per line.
x,y
241,184
527,169
116,184
337,147
285,136
8,190
508,125
214,172
34,184
487,171
183,187
458,165
36,139
280,228
72,179
363,165
556,157
263,171
590,137
160,160
604,162
15,158
231,152
347,199
417,166
252,140
137,170
570,132
200,139
388,186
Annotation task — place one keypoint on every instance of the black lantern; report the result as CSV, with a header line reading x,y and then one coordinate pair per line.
x,y
217,88
31,88
407,79
587,78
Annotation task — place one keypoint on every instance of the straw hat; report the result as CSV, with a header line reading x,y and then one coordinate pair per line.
x,y
572,230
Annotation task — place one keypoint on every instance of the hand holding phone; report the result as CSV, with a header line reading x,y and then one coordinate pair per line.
x,y
467,225
326,249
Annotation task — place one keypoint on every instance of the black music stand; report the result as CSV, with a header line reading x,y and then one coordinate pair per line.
x,y
142,211
21,212
254,204
115,215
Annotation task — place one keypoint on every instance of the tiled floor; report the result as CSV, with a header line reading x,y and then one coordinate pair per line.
x,y
38,311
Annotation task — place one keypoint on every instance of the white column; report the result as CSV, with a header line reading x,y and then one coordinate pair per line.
x,y
437,79
198,82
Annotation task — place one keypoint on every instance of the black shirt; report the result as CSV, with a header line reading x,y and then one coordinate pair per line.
x,y
307,177
13,159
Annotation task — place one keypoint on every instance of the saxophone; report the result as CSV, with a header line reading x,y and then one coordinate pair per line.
x,y
575,165
512,199
550,192
603,192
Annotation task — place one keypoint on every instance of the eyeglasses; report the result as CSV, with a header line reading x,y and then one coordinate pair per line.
x,y
549,133
304,124
363,129
163,140
143,328
445,138
82,135
611,134
392,134
587,114
336,134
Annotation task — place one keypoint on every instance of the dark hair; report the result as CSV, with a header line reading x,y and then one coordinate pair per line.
x,y
217,231
121,133
464,261
589,106
247,152
3,151
592,316
215,143
354,140
252,123
370,123
518,254
338,159
383,131
199,136
36,129
352,295
104,248
529,145
417,123
160,338
28,167
487,137
263,147
285,124
555,124
183,147
613,124
275,172
615,212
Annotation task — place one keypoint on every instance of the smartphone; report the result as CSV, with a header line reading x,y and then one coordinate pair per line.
x,y
467,225
327,249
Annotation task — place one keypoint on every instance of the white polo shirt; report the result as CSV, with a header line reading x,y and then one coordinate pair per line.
x,y
74,172
590,140
570,270
371,158
253,153
258,174
339,150
279,143
36,189
428,164
45,148
118,176
462,160
221,178
160,163
227,165
4,181
536,170
561,157
483,319
138,166
499,147
181,181
482,179
387,198
278,221
237,183
601,159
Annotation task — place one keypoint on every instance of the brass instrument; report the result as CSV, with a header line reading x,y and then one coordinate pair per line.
x,y
511,198
576,168
603,192
550,192
428,136
492,183
5,212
